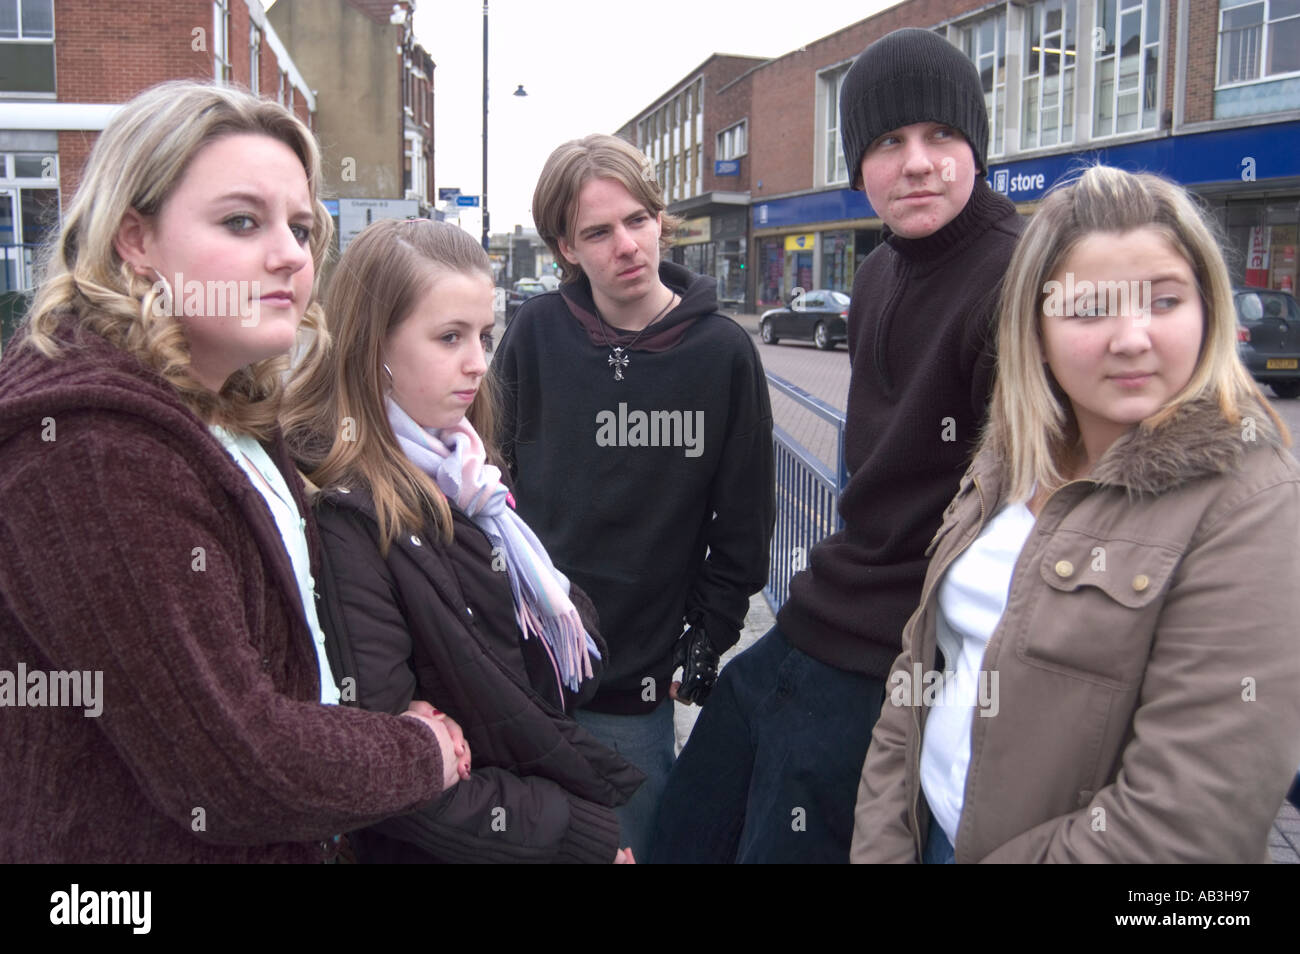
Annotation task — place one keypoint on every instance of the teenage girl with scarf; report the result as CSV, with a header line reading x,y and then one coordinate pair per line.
x,y
435,590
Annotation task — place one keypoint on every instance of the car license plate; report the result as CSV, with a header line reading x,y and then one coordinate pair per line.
x,y
1282,364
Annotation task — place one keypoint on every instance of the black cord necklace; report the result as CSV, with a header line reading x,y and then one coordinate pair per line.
x,y
618,359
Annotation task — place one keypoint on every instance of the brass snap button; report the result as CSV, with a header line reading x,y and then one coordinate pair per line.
x,y
1064,568
1141,582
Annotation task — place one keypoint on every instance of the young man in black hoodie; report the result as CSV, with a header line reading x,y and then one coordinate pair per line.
x,y
637,428
771,770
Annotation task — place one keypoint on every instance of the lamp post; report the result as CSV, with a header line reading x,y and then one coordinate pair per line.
x,y
483,198
520,91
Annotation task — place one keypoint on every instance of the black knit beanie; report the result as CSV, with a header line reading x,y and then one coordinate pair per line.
x,y
911,76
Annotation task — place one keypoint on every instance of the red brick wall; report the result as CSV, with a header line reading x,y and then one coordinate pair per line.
x,y
1202,56
783,122
723,107
107,53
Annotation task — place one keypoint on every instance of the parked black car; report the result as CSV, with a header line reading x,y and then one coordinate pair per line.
x,y
817,316
1268,337
524,289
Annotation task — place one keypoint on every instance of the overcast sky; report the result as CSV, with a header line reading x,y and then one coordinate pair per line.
x,y
588,66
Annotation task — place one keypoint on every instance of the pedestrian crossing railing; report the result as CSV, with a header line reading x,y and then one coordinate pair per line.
x,y
807,493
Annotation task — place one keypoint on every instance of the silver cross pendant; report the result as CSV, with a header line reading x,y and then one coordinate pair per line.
x,y
618,361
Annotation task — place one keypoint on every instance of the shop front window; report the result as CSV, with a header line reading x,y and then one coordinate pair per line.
x,y
1263,237
771,272
731,272
837,261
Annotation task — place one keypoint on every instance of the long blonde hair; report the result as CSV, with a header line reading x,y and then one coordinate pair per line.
x,y
137,161
334,414
1031,414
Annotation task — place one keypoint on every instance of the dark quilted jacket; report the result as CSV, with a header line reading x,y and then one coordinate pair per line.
x,y
436,622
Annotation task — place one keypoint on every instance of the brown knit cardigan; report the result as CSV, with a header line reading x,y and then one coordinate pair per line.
x,y
132,544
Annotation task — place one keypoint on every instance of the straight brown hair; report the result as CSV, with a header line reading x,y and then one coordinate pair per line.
x,y
570,167
334,415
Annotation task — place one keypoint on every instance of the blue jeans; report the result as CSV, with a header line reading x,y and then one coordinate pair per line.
x,y
648,742
771,770
938,849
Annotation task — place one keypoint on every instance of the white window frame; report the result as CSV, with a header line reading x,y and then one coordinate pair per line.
x,y
1262,45
832,169
254,59
1066,78
1145,43
23,38
995,99
221,71
728,139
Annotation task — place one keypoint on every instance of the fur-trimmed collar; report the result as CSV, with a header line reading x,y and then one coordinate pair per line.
x,y
1197,441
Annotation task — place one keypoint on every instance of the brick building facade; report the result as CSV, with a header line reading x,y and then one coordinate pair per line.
x,y
375,83
65,64
1206,92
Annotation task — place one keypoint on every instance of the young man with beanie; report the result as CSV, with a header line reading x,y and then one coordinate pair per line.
x,y
771,770
637,427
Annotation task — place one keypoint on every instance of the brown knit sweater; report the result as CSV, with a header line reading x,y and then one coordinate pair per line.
x,y
133,545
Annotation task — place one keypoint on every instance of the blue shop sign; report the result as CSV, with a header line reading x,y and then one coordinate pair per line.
x,y
1248,155
726,167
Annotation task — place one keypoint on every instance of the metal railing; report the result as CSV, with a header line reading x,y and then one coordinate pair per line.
x,y
807,494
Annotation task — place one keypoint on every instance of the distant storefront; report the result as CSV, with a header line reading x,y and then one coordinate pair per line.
x,y
715,245
1248,178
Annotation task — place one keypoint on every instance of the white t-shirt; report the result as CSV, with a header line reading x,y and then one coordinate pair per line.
x,y
266,477
972,596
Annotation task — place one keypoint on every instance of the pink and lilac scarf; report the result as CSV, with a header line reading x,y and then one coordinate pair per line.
x,y
456,461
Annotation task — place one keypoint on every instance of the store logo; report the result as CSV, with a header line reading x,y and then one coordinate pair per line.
x,y
1006,183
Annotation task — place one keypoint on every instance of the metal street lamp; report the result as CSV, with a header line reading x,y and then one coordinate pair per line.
x,y
520,91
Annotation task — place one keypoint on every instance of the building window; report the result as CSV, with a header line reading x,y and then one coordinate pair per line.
x,y
221,41
1050,56
1258,39
29,212
833,167
985,42
1127,68
254,60
27,46
733,142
